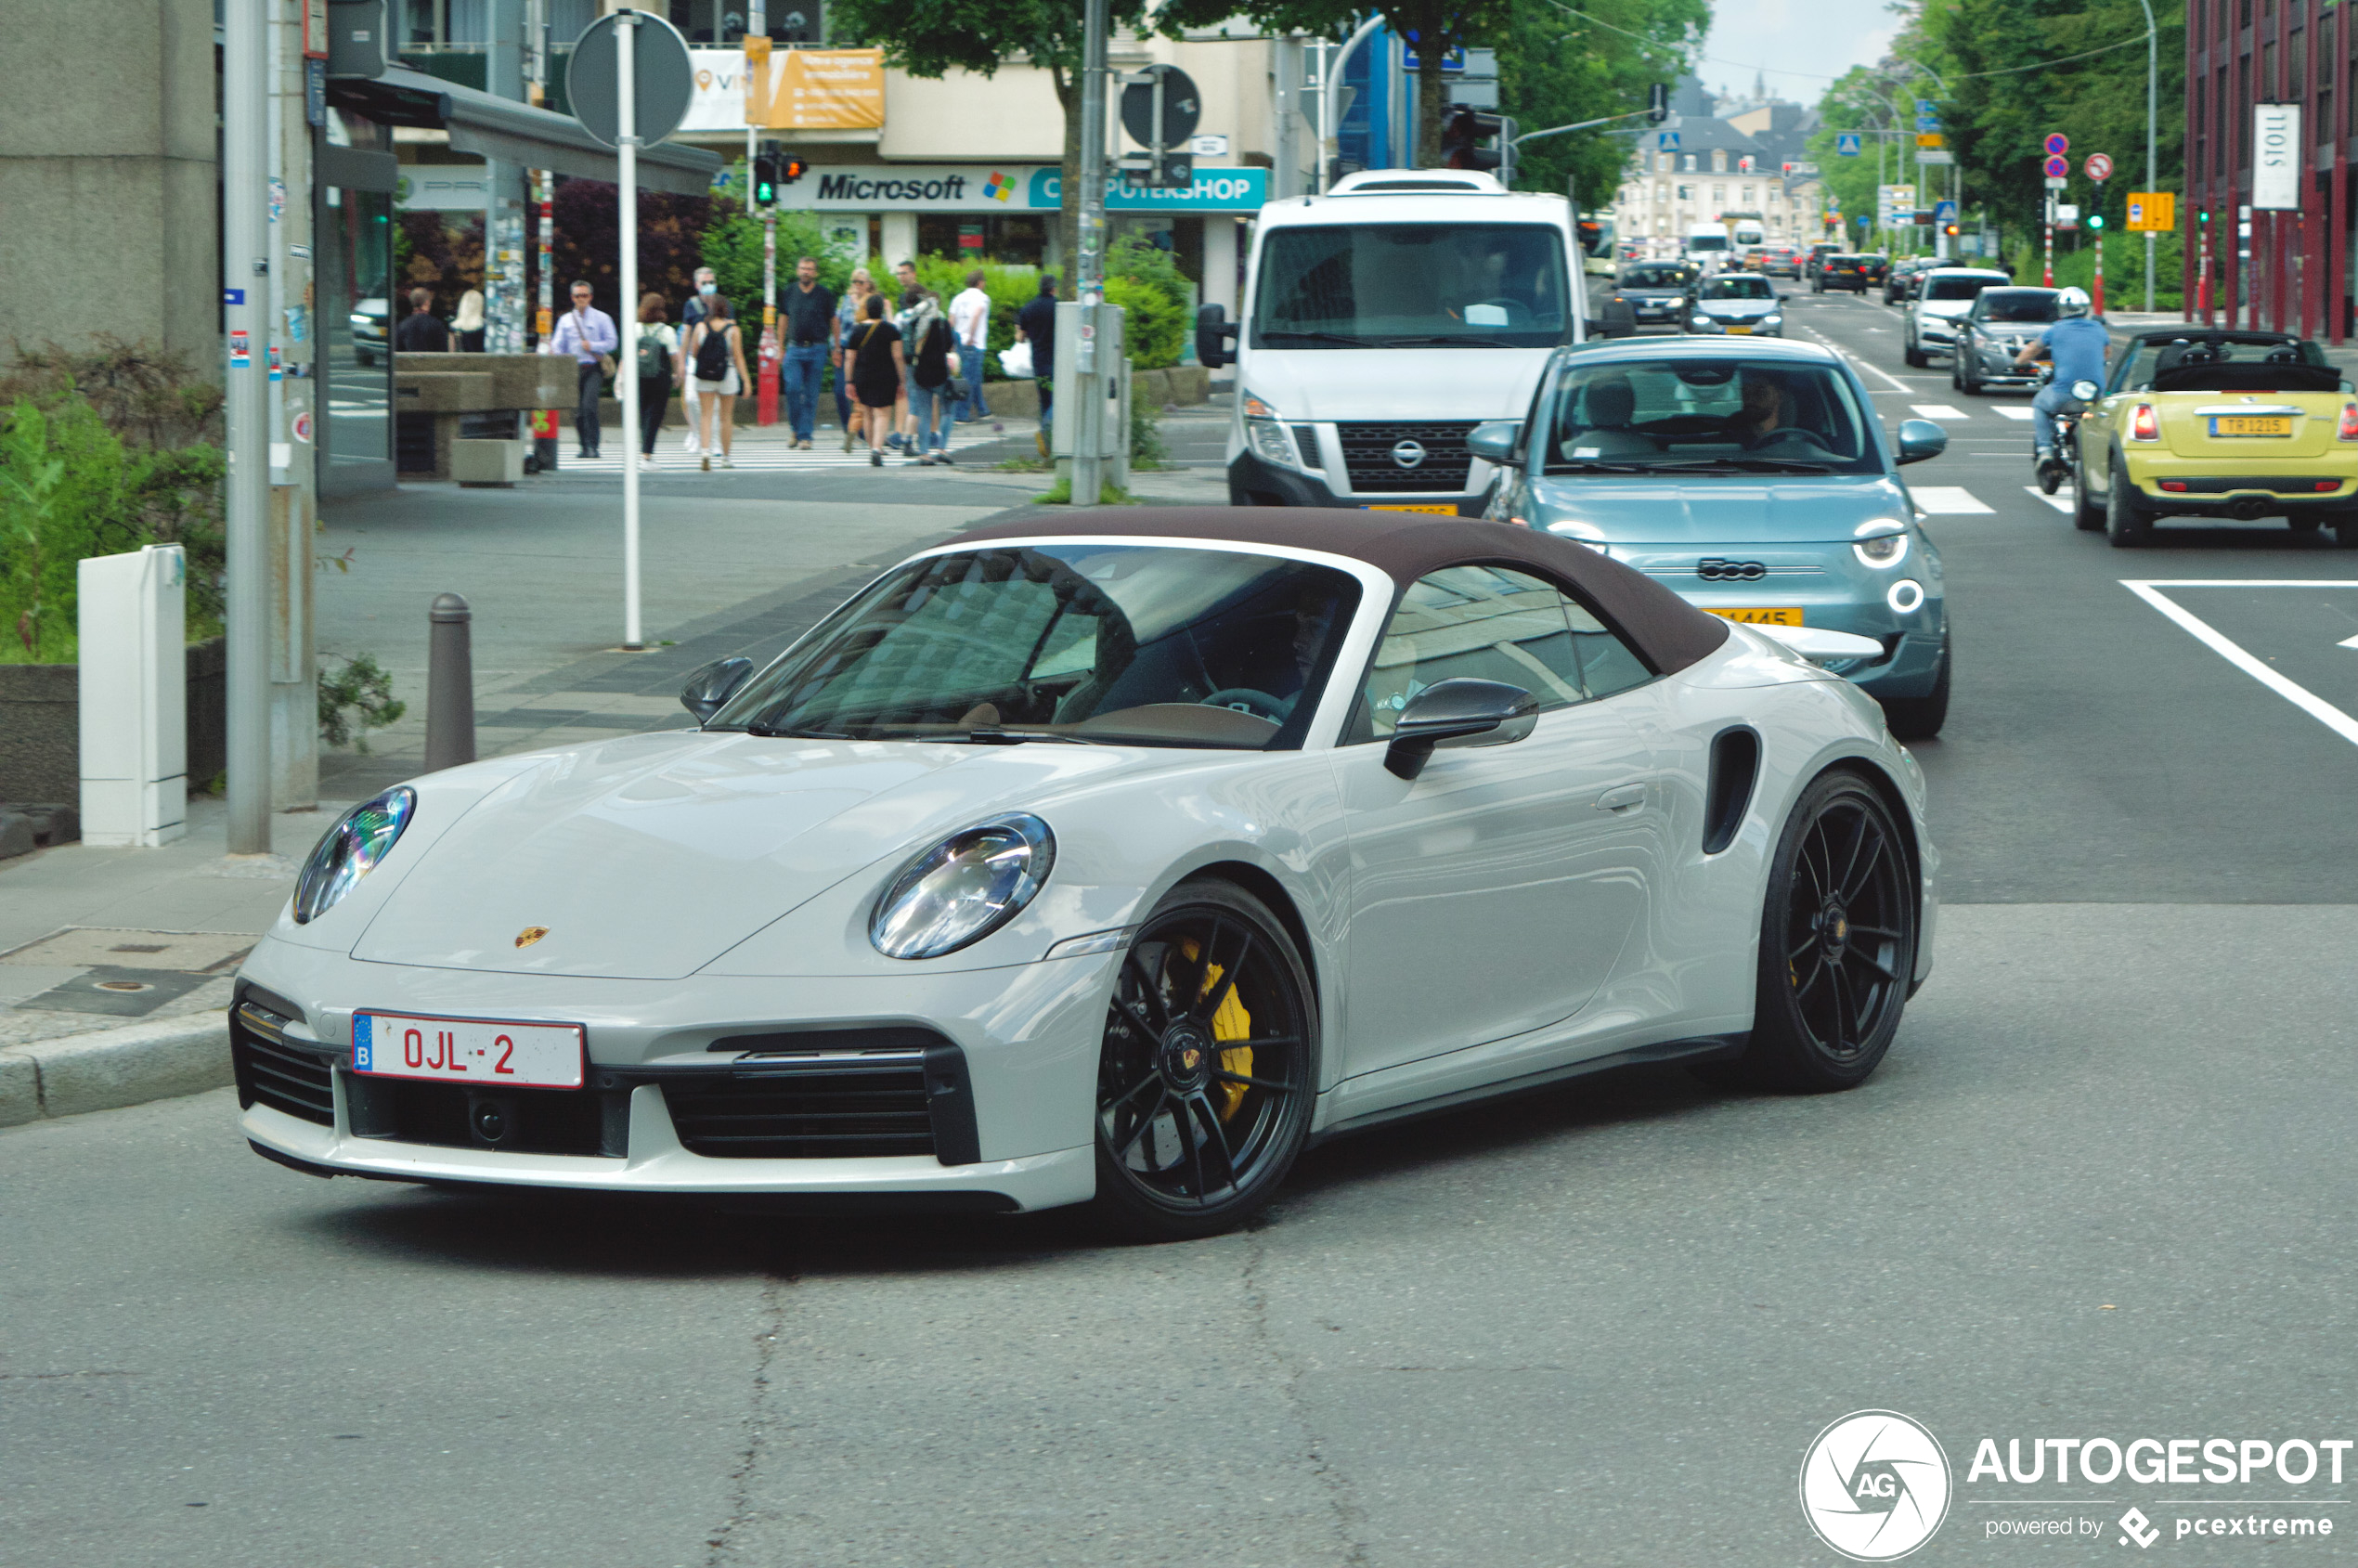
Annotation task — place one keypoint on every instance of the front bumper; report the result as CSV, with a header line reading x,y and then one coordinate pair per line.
x,y
977,1086
1254,481
1735,328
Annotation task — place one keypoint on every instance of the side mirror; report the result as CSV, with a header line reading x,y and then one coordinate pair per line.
x,y
1495,441
709,689
1919,439
2086,391
1453,709
1620,318
1214,334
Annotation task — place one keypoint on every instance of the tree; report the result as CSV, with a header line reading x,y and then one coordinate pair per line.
x,y
1563,61
1437,28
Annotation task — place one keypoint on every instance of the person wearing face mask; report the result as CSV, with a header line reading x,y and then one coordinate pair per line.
x,y
690,314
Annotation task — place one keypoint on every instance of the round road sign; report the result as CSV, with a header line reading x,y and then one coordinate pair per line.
x,y
664,78
1182,108
2057,168
2057,144
2099,167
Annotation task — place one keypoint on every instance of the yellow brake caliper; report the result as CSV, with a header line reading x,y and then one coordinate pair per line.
x,y
1231,1023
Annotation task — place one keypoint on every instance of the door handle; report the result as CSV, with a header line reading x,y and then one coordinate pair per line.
x,y
1621,798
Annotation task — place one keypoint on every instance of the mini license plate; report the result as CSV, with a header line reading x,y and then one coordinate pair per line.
x,y
1777,615
1446,508
2251,424
468,1051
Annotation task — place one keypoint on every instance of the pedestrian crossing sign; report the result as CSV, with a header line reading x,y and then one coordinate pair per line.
x,y
1846,144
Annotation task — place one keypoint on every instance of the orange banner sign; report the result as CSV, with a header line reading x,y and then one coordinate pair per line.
x,y
827,90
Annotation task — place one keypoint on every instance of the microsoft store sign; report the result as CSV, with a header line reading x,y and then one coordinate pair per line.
x,y
984,187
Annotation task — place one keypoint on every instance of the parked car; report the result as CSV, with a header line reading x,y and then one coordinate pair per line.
x,y
1657,292
1755,479
2196,424
1110,859
1741,303
2002,319
1900,283
1944,297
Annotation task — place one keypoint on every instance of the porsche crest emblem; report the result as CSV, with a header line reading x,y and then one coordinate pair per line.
x,y
530,935
1191,1058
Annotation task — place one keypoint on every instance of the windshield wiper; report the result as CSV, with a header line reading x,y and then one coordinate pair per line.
x,y
1746,465
1581,465
995,737
786,732
1470,340
1344,338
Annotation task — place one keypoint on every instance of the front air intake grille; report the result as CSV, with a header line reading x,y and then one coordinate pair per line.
x,y
1372,455
416,1110
272,1071
837,1108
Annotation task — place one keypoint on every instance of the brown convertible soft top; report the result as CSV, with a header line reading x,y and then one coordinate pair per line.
x,y
1668,632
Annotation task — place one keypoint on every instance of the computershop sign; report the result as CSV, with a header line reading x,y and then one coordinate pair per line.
x,y
985,187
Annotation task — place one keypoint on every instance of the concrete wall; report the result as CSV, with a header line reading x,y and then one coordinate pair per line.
x,y
108,175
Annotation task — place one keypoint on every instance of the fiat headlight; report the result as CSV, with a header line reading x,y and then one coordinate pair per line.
x,y
1886,545
1772,319
962,889
351,849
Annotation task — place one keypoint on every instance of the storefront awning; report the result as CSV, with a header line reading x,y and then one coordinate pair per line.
x,y
517,133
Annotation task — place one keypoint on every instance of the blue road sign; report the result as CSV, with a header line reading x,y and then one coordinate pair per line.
x,y
1926,124
1666,141
1944,212
1846,144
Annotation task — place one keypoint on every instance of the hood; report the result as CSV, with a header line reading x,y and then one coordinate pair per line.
x,y
1352,385
647,857
1947,310
1738,310
1805,509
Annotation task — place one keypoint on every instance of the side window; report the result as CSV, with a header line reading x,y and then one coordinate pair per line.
x,y
1494,623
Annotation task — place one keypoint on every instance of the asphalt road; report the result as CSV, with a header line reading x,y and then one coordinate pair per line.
x,y
2102,1187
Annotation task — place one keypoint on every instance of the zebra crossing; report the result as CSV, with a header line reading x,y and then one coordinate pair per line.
x,y
759,451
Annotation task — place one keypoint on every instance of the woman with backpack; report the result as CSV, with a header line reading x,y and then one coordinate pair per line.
x,y
933,370
716,355
848,319
658,351
877,373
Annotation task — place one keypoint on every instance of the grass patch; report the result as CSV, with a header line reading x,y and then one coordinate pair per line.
x,y
1060,494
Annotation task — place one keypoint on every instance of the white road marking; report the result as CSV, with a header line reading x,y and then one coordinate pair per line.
x,y
2061,503
1939,411
2012,411
1894,382
2301,696
1948,499
2347,643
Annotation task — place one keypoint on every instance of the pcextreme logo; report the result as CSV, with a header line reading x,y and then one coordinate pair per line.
x,y
1874,1485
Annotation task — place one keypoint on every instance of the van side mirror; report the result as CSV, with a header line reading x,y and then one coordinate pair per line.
x,y
1455,710
709,689
1494,441
1919,439
1215,336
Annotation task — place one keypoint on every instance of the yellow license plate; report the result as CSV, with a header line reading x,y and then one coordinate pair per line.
x,y
2251,424
1740,332
1777,614
1446,508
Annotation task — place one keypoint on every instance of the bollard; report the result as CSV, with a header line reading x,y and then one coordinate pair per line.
x,y
450,685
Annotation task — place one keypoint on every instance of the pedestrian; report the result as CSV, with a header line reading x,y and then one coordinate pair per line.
x,y
716,356
657,355
877,373
588,335
932,351
467,325
1036,324
904,424
810,314
971,320
848,319
690,314
421,331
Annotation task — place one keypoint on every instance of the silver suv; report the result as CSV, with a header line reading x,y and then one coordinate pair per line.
x,y
1943,295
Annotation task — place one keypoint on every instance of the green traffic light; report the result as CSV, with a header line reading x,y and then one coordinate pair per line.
x,y
2096,220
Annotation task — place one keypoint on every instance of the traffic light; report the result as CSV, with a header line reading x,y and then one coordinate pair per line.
x,y
1658,103
791,170
765,178
1950,230
1462,138
2096,220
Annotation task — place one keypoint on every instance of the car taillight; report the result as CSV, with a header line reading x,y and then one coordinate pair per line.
x,y
2348,428
2142,425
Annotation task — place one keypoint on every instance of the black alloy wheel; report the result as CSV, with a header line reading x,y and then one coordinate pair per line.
x,y
2127,523
1838,942
1208,1073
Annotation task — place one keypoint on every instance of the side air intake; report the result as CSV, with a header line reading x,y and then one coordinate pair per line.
x,y
1735,767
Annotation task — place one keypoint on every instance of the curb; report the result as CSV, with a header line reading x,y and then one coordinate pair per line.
x,y
114,1067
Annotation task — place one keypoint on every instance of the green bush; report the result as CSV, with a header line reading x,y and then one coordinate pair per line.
x,y
1145,281
354,700
731,247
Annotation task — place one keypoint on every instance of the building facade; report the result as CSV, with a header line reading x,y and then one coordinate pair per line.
x,y
1703,167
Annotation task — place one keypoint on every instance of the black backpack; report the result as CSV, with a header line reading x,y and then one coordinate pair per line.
x,y
712,354
654,361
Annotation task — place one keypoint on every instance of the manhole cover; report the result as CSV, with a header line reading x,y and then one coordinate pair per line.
x,y
125,985
119,993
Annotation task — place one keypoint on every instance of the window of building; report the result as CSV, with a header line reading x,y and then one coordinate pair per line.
x,y
1690,164
1719,160
1718,195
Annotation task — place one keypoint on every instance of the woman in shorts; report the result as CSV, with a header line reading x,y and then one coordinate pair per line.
x,y
715,353
877,373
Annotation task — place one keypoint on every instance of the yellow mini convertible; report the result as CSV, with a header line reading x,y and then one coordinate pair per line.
x,y
2196,424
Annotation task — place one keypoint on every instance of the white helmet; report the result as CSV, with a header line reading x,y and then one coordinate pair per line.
x,y
2072,302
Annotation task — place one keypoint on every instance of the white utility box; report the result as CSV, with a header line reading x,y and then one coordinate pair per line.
x,y
135,697
478,461
1113,364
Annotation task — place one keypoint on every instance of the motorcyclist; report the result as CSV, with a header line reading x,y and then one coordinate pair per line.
x,y
2076,342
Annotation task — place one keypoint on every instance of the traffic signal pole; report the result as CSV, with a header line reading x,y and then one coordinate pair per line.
x,y
1087,393
766,400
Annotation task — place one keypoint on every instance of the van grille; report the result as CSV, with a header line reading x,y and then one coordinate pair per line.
x,y
1367,457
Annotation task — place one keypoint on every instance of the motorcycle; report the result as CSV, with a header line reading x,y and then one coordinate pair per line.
x,y
2058,465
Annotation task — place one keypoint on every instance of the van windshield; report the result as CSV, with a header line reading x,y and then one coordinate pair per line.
x,y
1706,241
1412,286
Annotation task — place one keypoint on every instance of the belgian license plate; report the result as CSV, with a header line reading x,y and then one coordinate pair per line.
x,y
1446,508
1758,615
468,1051
1740,332
2251,424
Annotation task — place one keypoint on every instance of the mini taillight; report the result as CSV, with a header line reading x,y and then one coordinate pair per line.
x,y
2349,429
2142,426
2176,486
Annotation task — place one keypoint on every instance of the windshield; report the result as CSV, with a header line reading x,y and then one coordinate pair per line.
x,y
1728,416
1739,286
1706,241
1937,287
1135,644
2016,304
1412,286
1662,275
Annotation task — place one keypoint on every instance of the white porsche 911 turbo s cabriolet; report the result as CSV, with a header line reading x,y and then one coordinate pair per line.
x,y
1113,860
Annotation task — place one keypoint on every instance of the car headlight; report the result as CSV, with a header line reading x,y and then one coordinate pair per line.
x,y
1772,320
359,320
1887,546
351,849
964,889
1270,441
1704,323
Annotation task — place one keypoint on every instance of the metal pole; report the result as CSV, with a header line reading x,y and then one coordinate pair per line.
x,y
246,268
1089,405
450,683
625,36
2153,138
1329,83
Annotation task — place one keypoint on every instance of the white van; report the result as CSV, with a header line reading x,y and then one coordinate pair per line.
x,y
1381,323
1706,245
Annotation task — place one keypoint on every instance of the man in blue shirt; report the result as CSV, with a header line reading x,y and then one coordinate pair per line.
x,y
2077,344
588,335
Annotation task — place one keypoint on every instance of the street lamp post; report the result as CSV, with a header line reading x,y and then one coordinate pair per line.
x,y
2153,76
1088,395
